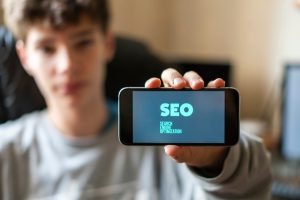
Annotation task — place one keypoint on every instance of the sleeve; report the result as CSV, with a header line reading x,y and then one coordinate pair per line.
x,y
246,173
4,166
10,147
1,178
4,171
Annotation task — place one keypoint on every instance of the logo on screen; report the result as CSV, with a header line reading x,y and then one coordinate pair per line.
x,y
173,110
166,128
176,110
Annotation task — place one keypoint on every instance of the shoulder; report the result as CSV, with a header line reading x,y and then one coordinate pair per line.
x,y
16,133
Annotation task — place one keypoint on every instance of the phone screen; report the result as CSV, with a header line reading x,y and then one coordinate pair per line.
x,y
181,117
165,116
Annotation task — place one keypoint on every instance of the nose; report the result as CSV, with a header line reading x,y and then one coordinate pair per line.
x,y
66,61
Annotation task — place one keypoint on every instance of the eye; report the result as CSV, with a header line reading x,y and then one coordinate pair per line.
x,y
46,49
84,43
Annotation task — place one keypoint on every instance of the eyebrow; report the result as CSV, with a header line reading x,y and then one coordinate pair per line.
x,y
72,36
80,34
42,41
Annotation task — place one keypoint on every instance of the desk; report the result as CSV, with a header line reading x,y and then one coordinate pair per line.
x,y
286,174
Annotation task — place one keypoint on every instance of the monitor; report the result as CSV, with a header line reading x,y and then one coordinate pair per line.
x,y
290,144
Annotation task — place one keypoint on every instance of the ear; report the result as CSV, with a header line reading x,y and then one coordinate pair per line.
x,y
110,45
21,51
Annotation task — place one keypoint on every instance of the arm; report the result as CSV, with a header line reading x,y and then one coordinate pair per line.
x,y
241,171
245,173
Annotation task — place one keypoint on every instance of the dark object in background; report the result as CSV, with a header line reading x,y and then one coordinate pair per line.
x,y
132,65
18,91
209,70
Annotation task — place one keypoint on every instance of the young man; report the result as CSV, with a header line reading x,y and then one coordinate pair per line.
x,y
71,150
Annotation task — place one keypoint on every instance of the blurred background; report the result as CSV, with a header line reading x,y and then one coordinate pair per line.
x,y
256,37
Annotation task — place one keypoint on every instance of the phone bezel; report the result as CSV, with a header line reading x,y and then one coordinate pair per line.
x,y
232,116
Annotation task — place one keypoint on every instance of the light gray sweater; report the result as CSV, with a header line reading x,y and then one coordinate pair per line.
x,y
38,162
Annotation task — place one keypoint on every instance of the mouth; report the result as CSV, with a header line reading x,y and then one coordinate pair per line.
x,y
71,88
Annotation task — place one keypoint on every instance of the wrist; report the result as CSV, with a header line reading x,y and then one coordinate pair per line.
x,y
215,165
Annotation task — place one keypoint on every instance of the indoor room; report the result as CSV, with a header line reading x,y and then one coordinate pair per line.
x,y
254,46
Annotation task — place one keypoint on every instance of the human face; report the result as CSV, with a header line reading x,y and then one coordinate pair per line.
x,y
67,64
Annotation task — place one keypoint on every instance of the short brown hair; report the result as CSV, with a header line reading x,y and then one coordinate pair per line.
x,y
20,14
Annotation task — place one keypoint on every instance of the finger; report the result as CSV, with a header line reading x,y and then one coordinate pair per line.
x,y
217,83
178,153
153,83
194,80
173,152
172,78
198,156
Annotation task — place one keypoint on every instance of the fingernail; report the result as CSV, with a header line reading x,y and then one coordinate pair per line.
x,y
197,82
177,81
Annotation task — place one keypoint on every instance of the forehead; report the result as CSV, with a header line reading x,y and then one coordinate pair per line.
x,y
40,30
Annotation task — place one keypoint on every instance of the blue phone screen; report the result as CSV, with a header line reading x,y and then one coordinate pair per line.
x,y
179,117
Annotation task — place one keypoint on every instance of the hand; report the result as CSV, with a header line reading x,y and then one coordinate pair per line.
x,y
209,159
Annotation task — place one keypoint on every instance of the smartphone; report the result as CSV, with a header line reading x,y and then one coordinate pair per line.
x,y
164,116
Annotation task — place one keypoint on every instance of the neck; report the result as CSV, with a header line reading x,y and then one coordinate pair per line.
x,y
76,121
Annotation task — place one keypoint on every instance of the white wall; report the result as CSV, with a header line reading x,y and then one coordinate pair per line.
x,y
144,19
